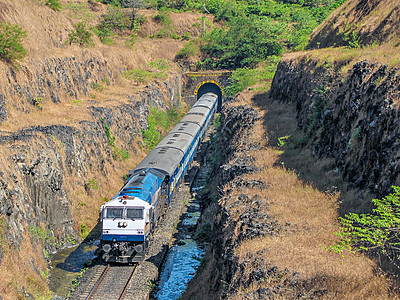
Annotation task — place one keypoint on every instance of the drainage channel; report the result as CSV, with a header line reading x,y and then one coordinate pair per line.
x,y
185,254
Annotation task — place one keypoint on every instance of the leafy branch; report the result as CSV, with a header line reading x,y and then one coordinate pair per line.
x,y
377,232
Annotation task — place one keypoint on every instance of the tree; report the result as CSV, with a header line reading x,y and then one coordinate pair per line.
x,y
377,232
248,41
11,37
80,35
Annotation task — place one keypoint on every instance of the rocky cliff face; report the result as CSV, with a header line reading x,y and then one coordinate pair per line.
x,y
50,80
352,117
41,166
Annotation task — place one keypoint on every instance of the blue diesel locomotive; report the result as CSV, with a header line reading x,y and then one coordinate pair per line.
x,y
130,217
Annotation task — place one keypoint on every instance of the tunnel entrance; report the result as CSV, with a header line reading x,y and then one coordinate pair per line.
x,y
211,87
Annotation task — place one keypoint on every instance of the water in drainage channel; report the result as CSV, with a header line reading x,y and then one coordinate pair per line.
x,y
185,255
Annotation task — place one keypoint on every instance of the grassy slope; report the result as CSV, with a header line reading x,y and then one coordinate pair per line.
x,y
373,27
308,214
311,212
367,21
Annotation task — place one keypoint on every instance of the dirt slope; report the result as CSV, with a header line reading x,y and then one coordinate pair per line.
x,y
359,21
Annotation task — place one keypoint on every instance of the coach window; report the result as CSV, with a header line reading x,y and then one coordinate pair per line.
x,y
114,213
134,213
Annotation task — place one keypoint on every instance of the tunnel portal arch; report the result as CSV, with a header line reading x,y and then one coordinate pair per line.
x,y
210,86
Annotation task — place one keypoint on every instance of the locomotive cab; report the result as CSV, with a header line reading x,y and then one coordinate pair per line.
x,y
125,225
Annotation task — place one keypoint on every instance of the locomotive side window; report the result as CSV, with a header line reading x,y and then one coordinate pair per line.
x,y
114,213
134,213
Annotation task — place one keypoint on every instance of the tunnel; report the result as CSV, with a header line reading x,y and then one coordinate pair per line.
x,y
210,87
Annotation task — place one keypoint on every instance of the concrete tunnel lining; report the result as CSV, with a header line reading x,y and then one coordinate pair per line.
x,y
213,88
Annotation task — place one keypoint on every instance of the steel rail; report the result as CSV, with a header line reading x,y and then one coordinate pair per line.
x,y
127,285
103,274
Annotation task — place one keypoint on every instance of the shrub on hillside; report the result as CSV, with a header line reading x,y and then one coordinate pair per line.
x,y
114,21
11,36
80,35
375,233
158,122
138,75
162,18
53,4
190,49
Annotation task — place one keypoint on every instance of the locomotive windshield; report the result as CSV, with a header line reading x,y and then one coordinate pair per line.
x,y
130,213
134,213
114,213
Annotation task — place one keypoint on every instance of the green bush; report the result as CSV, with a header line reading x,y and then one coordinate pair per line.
x,y
248,41
104,34
138,75
242,78
151,136
158,121
159,65
189,50
115,20
258,29
11,37
377,232
143,76
162,18
119,154
53,4
92,184
167,28
80,35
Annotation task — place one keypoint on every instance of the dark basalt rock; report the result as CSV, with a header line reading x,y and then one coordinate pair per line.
x,y
356,120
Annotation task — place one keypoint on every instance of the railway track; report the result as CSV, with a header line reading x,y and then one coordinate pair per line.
x,y
110,282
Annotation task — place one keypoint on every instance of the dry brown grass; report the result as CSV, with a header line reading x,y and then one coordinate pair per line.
x,y
16,271
309,218
372,21
343,58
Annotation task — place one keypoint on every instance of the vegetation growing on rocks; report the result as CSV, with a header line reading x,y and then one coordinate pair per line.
x,y
11,38
376,232
158,124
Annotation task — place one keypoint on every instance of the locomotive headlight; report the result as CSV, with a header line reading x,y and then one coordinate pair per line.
x,y
114,240
122,224
139,248
106,248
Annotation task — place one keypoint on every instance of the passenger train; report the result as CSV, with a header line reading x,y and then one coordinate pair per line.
x,y
130,217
